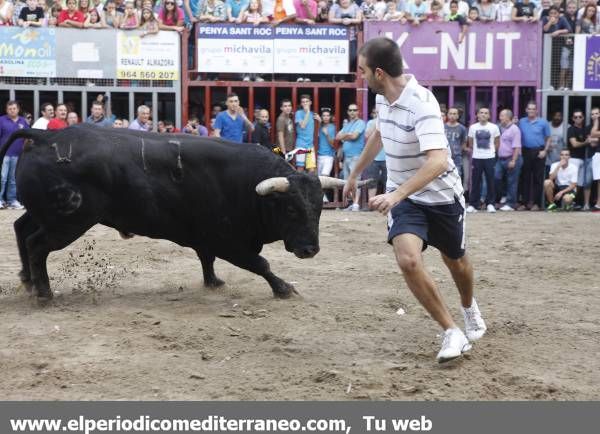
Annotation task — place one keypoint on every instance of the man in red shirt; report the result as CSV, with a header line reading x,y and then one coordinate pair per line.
x,y
71,17
60,121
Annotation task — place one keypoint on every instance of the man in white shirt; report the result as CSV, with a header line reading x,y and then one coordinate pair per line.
x,y
561,185
483,141
424,197
47,114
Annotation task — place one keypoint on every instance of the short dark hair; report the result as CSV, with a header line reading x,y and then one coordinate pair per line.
x,y
454,1
283,101
12,102
305,96
98,103
553,8
45,106
382,53
232,95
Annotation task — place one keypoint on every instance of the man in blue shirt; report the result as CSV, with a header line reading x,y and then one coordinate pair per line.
x,y
305,133
10,123
352,136
535,140
97,116
230,123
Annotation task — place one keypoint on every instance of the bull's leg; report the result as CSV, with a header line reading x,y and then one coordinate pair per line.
x,y
259,265
24,227
39,246
208,269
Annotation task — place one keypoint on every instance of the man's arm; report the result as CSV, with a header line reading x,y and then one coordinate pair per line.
x,y
576,143
217,132
553,173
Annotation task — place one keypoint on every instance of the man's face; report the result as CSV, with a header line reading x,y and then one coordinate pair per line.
x,y
546,4
370,76
483,115
557,118
504,117
72,118
233,103
12,111
564,158
97,111
578,118
144,115
286,108
263,117
48,112
32,4
352,111
453,115
553,14
531,111
61,112
305,103
571,8
216,110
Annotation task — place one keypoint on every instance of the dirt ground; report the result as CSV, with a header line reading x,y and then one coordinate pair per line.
x,y
131,319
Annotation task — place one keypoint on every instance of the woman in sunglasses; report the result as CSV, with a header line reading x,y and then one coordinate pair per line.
x,y
171,17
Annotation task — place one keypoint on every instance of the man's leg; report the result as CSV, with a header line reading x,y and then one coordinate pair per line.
x,y
407,248
4,177
526,172
476,183
462,274
11,188
488,171
513,183
538,180
549,190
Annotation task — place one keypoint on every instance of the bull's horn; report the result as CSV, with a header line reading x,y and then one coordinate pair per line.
x,y
329,182
272,185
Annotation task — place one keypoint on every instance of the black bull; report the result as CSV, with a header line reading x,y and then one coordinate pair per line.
x,y
219,198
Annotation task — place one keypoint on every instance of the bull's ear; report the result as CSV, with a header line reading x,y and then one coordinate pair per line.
x,y
272,185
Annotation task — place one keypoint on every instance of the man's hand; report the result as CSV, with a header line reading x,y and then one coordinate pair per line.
x,y
542,154
511,164
558,195
384,202
349,188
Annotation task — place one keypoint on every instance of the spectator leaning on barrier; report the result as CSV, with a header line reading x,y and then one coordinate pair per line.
x,y
31,15
6,13
10,123
525,11
417,12
456,16
487,11
95,20
148,23
230,123
97,116
60,120
368,9
235,10
456,133
142,122
554,24
129,20
583,10
171,17
212,11
194,127
588,23
535,138
284,127
306,11
483,140
557,141
352,136
393,14
47,113
253,15
111,16
71,17
283,11
561,185
509,161
581,154
435,13
504,10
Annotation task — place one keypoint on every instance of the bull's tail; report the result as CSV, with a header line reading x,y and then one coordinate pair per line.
x,y
29,133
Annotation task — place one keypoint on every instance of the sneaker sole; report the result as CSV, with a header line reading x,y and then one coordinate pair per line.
x,y
465,348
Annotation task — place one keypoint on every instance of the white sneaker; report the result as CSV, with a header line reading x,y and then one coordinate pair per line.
x,y
246,78
507,208
325,200
471,209
503,200
454,344
354,207
300,80
259,79
15,205
491,208
474,325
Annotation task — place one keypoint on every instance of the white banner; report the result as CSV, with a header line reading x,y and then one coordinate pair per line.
x,y
153,57
311,56
235,55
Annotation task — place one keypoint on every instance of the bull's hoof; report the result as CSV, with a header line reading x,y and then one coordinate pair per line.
x,y
214,283
27,285
285,290
44,295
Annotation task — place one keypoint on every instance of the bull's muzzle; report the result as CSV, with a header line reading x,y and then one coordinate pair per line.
x,y
306,251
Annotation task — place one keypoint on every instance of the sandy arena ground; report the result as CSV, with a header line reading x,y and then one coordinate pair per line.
x,y
131,319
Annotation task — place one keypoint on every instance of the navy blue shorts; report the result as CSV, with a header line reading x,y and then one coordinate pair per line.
x,y
442,226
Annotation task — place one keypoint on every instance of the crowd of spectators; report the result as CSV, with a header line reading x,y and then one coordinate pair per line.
x,y
558,16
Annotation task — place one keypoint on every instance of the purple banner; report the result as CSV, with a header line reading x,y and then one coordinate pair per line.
x,y
592,63
497,53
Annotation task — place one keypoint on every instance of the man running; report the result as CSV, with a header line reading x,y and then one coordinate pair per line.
x,y
424,200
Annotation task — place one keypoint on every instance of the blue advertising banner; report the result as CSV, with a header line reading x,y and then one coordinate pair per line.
x,y
586,63
27,52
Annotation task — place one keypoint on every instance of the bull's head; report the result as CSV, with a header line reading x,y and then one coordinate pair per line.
x,y
297,204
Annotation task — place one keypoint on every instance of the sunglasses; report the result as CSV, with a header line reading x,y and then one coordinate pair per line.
x,y
577,117
352,110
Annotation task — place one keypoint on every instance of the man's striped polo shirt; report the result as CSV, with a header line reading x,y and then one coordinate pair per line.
x,y
409,127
